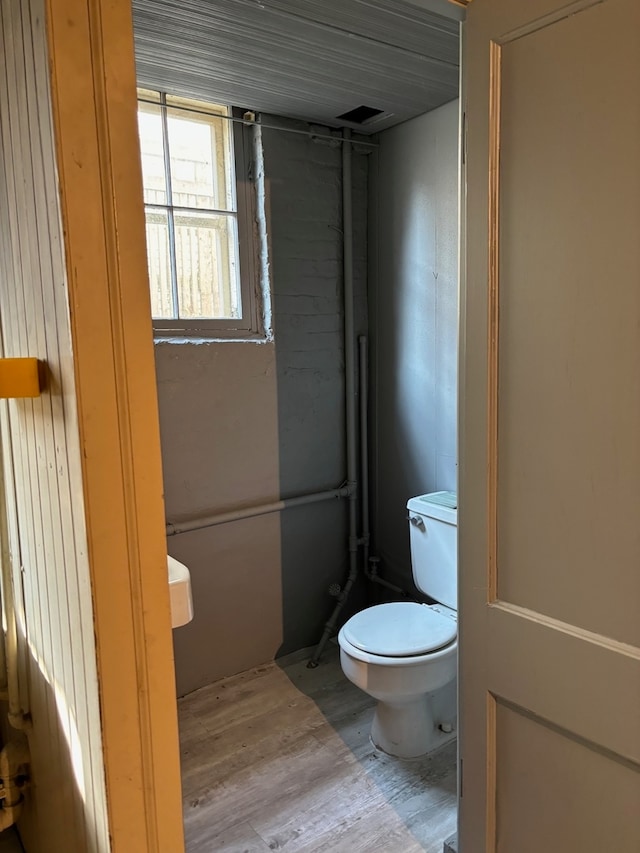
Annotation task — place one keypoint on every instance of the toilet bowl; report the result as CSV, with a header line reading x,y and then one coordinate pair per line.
x,y
404,654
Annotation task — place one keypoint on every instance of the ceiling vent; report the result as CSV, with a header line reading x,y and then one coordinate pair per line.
x,y
360,115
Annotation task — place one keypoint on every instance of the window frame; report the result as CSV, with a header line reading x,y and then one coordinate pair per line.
x,y
250,325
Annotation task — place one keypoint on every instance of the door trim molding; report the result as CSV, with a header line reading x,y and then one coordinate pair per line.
x,y
94,111
493,302
542,619
550,19
492,774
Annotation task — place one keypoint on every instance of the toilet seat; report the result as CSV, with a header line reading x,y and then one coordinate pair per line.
x,y
399,629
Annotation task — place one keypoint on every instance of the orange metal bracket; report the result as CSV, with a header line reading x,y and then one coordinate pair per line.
x,y
19,377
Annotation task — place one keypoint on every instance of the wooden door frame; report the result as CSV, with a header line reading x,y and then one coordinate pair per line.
x,y
93,84
462,309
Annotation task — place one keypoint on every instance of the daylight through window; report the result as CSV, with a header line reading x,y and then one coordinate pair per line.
x,y
190,158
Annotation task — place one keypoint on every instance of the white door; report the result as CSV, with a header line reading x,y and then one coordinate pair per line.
x,y
550,429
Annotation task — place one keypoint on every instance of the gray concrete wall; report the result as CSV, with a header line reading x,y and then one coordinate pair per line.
x,y
414,323
245,423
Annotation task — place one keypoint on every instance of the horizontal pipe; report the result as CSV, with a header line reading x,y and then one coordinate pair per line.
x,y
201,522
247,121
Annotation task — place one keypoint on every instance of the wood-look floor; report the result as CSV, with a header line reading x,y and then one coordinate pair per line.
x,y
280,759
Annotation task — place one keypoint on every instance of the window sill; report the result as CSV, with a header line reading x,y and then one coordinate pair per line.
x,y
211,339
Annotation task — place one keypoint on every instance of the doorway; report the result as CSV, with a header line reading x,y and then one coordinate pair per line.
x,y
246,424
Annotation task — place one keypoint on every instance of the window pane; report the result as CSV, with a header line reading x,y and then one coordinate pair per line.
x,y
152,152
201,160
207,265
159,264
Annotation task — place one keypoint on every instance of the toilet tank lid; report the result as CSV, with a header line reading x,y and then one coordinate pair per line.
x,y
399,629
441,505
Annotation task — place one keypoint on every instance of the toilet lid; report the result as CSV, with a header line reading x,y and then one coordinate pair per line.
x,y
399,629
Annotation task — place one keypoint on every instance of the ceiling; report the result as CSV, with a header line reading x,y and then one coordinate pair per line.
x,y
307,59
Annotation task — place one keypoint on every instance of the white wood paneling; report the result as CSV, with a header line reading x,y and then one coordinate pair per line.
x,y
67,808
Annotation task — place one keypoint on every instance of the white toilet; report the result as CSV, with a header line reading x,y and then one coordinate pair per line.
x,y
404,654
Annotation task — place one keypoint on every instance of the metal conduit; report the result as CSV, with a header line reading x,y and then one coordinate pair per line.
x,y
257,122
351,420
363,361
174,528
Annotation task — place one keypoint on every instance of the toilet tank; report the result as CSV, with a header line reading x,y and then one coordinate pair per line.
x,y
433,520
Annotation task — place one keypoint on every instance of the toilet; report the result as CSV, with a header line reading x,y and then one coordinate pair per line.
x,y
404,654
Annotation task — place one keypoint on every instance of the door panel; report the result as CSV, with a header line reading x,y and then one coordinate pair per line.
x,y
579,681
550,429
568,445
532,817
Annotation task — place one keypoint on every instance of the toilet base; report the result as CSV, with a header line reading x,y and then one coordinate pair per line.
x,y
408,729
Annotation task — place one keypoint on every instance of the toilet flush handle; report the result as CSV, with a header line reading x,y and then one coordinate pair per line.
x,y
417,521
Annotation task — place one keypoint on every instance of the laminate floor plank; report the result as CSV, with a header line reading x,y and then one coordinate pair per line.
x,y
265,785
280,758
240,838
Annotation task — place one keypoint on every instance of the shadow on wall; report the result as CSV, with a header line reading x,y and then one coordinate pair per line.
x,y
313,557
245,424
415,275
305,195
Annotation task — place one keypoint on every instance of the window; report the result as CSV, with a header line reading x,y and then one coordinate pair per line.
x,y
200,210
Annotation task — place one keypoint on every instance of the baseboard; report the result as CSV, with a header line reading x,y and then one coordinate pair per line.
x,y
451,844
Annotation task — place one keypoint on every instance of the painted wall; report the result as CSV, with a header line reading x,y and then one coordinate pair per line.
x,y
245,423
45,531
414,311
